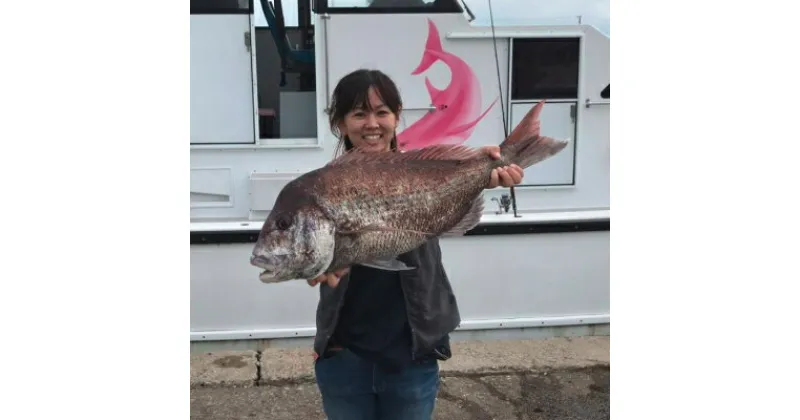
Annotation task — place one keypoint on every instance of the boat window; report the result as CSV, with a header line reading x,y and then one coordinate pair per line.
x,y
545,68
286,70
220,7
387,6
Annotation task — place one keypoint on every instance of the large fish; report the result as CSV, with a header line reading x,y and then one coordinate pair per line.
x,y
368,208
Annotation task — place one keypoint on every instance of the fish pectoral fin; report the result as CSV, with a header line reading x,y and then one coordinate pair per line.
x,y
389,264
469,221
376,228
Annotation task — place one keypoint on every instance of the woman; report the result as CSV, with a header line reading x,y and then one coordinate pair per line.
x,y
380,334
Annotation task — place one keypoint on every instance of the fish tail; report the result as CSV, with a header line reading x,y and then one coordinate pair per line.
x,y
433,50
525,146
530,150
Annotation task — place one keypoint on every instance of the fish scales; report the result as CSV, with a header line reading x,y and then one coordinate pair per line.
x,y
427,197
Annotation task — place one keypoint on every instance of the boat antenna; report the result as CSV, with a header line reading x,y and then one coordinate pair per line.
x,y
502,102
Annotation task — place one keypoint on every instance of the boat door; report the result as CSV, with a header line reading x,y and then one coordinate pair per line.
x,y
548,69
222,100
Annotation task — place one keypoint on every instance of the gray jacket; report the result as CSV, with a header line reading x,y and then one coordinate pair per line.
x,y
430,302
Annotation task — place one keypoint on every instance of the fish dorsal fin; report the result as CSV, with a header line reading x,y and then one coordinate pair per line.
x,y
436,152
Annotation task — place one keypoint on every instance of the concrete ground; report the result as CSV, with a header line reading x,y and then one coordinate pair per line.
x,y
545,379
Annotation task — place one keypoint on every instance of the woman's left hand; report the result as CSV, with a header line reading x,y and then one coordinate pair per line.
x,y
505,176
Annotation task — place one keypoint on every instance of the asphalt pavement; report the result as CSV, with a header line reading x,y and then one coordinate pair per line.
x,y
544,379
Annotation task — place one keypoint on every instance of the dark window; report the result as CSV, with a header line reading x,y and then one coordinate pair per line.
x,y
606,93
220,7
545,68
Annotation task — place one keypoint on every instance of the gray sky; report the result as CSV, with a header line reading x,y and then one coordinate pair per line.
x,y
506,12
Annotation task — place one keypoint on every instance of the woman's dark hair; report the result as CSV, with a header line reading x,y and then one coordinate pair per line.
x,y
352,92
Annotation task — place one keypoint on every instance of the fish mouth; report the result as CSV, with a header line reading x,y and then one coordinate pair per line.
x,y
268,275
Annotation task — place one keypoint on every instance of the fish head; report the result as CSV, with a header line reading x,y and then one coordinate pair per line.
x,y
296,244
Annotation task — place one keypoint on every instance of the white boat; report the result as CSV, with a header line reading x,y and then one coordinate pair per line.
x,y
538,263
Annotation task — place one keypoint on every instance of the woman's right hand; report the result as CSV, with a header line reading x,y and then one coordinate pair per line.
x,y
331,278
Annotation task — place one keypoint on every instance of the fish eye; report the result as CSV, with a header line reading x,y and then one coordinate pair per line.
x,y
283,222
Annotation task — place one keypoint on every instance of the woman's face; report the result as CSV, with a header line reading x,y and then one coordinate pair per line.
x,y
371,129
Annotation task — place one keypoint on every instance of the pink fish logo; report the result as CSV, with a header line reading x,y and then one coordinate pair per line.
x,y
458,106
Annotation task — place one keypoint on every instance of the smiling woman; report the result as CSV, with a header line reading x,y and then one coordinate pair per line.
x,y
365,110
386,306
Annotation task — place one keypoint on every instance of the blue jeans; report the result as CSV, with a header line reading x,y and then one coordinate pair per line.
x,y
356,389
